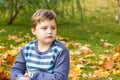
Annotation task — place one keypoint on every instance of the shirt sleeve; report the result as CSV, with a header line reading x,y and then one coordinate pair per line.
x,y
18,68
61,69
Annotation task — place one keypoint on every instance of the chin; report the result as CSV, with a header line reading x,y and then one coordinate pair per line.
x,y
50,41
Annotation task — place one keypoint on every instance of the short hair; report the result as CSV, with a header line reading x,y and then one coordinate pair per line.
x,y
41,15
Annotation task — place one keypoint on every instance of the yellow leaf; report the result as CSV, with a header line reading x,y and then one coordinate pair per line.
x,y
78,70
1,70
116,72
12,52
100,73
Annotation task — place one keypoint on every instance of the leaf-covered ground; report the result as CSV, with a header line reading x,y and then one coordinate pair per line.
x,y
95,57
84,63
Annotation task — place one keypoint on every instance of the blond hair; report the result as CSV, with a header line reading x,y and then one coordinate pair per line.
x,y
41,15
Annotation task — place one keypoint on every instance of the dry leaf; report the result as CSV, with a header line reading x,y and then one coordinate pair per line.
x,y
9,58
106,44
74,74
12,52
116,49
19,40
101,73
73,44
1,70
116,72
4,75
85,49
12,37
108,65
62,38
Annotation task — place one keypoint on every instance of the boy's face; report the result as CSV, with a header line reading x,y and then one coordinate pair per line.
x,y
45,31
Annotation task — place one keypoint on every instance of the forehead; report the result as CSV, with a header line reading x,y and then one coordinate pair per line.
x,y
47,22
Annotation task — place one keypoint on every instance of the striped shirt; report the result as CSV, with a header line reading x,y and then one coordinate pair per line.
x,y
43,61
52,64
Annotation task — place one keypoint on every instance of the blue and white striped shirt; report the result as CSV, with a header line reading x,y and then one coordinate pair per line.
x,y
43,61
52,64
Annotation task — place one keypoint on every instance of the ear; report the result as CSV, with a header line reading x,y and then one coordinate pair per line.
x,y
33,31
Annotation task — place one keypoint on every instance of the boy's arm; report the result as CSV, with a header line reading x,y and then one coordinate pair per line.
x,y
61,69
18,68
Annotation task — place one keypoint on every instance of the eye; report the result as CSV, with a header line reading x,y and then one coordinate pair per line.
x,y
44,28
53,27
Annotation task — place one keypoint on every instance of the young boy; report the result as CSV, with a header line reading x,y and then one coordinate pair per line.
x,y
44,58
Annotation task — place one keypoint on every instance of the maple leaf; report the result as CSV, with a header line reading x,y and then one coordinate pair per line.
x,y
11,52
108,65
4,75
73,44
74,74
12,37
19,40
106,44
1,70
85,49
116,49
101,73
9,59
62,38
116,72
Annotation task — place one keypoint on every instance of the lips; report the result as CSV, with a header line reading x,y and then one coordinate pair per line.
x,y
49,36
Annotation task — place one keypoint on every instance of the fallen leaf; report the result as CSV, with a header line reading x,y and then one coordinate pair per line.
x,y
116,49
106,44
101,73
9,59
62,38
12,37
1,70
108,65
73,44
85,49
116,72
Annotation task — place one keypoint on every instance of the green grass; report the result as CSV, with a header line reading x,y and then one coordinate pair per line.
x,y
18,30
98,24
92,33
89,32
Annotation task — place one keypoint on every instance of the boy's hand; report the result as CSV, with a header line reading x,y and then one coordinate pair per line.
x,y
26,74
24,78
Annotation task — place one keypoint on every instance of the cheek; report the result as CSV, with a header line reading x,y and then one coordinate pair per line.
x,y
55,31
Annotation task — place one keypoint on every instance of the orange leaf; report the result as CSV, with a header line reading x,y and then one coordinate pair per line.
x,y
117,49
10,59
1,70
108,65
101,73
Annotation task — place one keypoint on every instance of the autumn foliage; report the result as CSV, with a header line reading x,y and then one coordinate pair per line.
x,y
81,56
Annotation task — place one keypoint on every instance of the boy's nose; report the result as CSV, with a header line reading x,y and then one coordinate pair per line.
x,y
49,30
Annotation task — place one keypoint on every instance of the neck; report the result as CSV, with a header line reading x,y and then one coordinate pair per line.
x,y
42,47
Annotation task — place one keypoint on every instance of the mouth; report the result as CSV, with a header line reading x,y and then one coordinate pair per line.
x,y
49,37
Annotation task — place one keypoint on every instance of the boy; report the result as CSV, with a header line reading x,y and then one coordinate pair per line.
x,y
44,58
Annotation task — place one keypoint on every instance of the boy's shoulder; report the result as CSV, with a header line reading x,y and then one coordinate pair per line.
x,y
30,44
59,44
